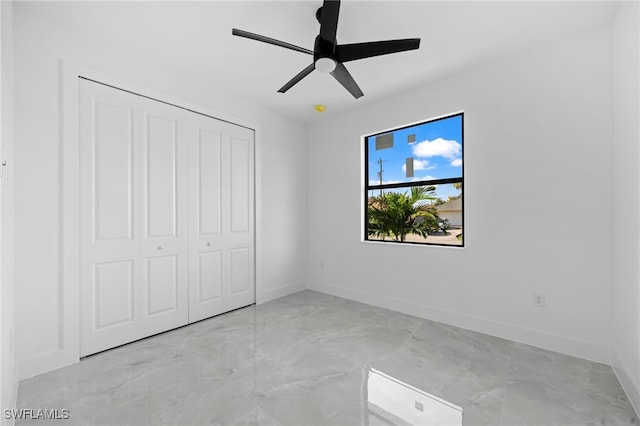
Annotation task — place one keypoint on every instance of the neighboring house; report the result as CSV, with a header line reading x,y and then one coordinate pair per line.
x,y
452,210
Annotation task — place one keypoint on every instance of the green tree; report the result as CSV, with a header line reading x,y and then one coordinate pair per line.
x,y
458,186
396,215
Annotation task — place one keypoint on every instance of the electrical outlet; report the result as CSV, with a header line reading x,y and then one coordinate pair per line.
x,y
539,300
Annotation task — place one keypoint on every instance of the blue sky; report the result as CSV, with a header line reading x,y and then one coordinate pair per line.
x,y
436,153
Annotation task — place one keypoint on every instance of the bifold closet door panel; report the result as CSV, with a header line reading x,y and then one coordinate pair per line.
x,y
206,241
109,219
240,210
133,210
164,245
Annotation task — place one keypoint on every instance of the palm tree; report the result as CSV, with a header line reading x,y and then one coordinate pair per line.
x,y
396,215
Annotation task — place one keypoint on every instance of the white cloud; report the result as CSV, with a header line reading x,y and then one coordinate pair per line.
x,y
438,147
457,162
418,165
417,178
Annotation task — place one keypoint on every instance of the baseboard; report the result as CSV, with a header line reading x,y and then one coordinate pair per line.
x,y
629,385
552,342
278,292
44,363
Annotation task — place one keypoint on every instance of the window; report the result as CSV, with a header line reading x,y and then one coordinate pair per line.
x,y
414,183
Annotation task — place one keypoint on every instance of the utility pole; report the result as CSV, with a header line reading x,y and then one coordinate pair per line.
x,y
380,161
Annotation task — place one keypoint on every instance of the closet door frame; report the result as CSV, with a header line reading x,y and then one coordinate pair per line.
x,y
68,305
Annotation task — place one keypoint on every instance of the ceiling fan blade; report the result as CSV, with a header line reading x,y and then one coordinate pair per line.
x,y
302,74
269,40
329,20
342,75
351,52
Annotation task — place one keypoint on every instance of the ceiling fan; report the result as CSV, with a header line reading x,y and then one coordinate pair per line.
x,y
328,55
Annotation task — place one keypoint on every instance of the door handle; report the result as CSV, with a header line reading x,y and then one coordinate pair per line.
x,y
4,172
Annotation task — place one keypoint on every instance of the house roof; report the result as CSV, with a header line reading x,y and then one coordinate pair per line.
x,y
455,204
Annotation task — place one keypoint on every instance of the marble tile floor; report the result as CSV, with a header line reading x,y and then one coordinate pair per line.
x,y
314,359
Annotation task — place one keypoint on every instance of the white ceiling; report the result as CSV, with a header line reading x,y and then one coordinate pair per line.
x,y
194,38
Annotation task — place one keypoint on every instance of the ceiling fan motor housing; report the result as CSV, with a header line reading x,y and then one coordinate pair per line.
x,y
323,49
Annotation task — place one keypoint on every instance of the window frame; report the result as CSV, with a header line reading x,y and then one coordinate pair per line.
x,y
429,182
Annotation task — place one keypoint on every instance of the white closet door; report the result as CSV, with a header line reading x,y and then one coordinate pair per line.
x,y
221,240
109,205
167,217
239,223
164,255
133,266
206,240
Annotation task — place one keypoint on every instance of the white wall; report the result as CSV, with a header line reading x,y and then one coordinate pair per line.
x,y
538,129
39,46
626,193
8,376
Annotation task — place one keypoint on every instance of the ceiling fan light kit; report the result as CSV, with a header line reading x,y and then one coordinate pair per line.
x,y
325,65
328,55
